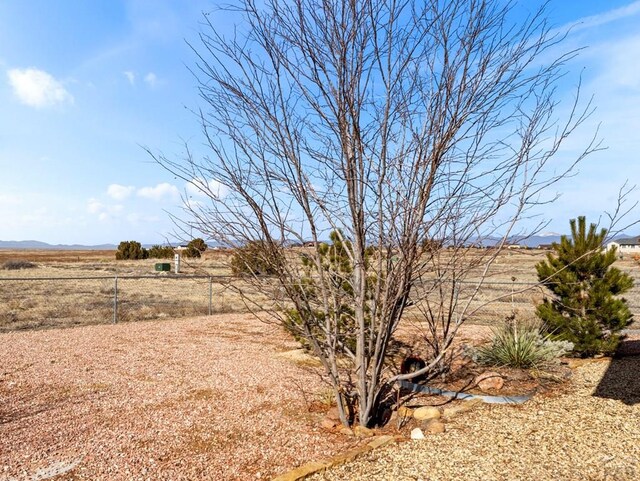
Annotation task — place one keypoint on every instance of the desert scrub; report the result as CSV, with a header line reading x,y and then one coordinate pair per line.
x,y
19,264
520,344
253,259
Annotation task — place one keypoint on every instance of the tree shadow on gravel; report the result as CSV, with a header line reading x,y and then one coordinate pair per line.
x,y
621,381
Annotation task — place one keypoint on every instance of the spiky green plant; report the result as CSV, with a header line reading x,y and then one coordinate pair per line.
x,y
584,309
520,344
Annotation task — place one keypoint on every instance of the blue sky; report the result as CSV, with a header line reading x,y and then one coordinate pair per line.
x,y
84,84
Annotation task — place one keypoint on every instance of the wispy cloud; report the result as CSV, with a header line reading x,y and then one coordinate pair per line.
x,y
603,18
120,192
151,79
36,88
102,211
159,192
131,76
94,206
204,188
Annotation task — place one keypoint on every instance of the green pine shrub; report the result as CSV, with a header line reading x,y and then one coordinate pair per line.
x,y
252,259
131,250
337,271
160,252
584,309
195,248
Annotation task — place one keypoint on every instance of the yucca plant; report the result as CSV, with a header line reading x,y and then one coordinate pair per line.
x,y
520,344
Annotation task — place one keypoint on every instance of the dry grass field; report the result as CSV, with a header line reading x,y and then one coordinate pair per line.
x,y
68,288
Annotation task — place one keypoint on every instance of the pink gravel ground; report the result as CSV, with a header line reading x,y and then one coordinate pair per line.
x,y
203,398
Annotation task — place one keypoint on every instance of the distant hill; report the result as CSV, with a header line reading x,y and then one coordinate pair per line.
x,y
33,244
537,240
548,239
532,241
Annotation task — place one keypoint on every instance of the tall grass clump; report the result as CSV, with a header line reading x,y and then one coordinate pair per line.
x,y
520,344
18,264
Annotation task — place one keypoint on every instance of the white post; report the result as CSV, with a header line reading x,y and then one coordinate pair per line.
x,y
176,260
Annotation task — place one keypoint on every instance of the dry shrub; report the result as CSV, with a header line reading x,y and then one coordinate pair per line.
x,y
15,265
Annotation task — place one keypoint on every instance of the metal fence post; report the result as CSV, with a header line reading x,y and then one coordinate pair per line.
x,y
115,300
210,293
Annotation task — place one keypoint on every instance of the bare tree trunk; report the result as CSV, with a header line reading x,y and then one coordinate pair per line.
x,y
403,127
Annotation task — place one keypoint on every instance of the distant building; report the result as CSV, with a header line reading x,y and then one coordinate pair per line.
x,y
630,245
546,247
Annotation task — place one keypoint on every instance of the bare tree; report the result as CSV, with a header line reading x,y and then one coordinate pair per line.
x,y
408,129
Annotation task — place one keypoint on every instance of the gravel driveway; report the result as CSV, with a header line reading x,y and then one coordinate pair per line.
x,y
192,399
590,432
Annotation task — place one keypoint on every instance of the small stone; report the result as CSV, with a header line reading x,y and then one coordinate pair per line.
x,y
362,432
426,412
346,431
434,426
327,423
417,434
333,414
489,381
405,412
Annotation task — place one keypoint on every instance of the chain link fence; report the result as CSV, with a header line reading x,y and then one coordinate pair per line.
x,y
35,302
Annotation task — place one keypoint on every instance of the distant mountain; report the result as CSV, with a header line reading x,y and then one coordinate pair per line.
x,y
550,238
33,244
537,240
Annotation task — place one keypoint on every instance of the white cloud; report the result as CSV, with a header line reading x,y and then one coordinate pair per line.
x,y
604,18
204,188
37,88
120,192
131,77
103,211
151,79
159,192
136,218
94,206
8,200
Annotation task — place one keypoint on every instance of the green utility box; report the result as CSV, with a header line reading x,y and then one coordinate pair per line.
x,y
163,267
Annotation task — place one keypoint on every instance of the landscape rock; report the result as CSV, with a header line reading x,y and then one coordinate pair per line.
x,y
417,434
466,406
489,381
346,431
328,423
363,432
333,414
435,426
426,412
381,441
405,412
